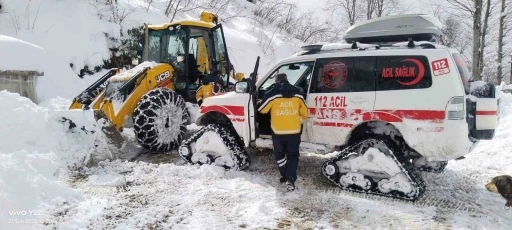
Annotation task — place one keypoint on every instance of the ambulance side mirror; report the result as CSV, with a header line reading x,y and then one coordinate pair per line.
x,y
242,87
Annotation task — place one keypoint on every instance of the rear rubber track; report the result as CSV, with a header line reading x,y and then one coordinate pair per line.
x,y
410,171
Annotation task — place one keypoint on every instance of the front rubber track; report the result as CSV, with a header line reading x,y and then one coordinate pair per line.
x,y
230,139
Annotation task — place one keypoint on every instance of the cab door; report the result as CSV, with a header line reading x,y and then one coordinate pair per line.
x,y
297,74
342,91
220,57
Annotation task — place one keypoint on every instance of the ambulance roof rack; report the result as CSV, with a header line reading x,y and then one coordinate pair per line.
x,y
397,28
406,31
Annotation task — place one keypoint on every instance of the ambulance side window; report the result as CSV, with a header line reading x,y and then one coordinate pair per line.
x,y
403,72
365,78
333,75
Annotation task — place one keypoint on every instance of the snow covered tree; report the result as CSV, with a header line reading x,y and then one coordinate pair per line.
x,y
477,36
489,8
350,9
502,33
455,35
302,26
476,15
379,8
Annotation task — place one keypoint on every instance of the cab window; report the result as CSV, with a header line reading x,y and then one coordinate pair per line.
x,y
220,50
296,73
465,75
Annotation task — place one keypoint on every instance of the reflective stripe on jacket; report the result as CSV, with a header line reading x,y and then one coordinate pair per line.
x,y
287,109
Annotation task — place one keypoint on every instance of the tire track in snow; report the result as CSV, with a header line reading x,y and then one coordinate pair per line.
x,y
165,194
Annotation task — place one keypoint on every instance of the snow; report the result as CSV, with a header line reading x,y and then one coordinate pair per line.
x,y
419,43
57,77
111,180
210,142
36,154
507,87
54,25
73,31
193,110
41,160
340,46
127,74
476,85
304,146
128,195
20,55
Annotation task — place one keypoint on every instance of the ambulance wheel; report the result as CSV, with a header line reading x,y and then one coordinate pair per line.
x,y
160,120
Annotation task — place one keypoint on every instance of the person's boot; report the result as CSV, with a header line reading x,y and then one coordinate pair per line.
x,y
282,180
290,184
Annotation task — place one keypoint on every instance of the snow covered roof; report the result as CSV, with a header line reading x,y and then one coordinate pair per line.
x,y
16,54
507,87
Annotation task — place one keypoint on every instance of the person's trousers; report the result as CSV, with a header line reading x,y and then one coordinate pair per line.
x,y
286,151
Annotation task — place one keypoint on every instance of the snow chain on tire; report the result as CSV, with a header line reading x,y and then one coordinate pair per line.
x,y
331,170
160,120
230,139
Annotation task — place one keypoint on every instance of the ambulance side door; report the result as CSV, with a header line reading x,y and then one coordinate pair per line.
x,y
342,90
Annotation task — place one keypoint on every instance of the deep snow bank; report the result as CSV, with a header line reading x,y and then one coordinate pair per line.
x,y
20,55
58,80
35,153
73,31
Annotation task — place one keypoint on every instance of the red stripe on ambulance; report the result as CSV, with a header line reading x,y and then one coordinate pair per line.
x,y
228,110
488,113
436,116
333,124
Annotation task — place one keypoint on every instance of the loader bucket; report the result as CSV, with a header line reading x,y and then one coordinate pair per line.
x,y
109,143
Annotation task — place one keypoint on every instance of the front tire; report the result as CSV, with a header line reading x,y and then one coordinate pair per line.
x,y
160,120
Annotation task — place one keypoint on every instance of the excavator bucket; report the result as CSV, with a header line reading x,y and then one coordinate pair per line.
x,y
109,143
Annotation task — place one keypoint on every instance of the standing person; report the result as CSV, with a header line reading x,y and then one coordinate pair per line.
x,y
287,113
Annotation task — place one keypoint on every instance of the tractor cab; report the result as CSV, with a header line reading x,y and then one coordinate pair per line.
x,y
192,48
176,54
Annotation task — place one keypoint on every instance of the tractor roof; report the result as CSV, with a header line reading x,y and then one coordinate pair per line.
x,y
195,23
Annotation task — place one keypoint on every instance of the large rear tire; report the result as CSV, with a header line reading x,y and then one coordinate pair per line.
x,y
160,120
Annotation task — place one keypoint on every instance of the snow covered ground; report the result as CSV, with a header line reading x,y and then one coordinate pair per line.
x,y
44,186
39,175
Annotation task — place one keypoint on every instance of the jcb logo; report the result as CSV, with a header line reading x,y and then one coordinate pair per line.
x,y
163,76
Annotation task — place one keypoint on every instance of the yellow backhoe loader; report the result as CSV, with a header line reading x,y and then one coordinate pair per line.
x,y
152,97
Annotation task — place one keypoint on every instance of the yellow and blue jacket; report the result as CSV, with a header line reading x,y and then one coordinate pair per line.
x,y
287,109
210,86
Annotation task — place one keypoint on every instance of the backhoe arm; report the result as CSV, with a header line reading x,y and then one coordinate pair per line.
x,y
85,98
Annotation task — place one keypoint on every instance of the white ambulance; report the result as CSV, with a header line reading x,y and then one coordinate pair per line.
x,y
391,97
